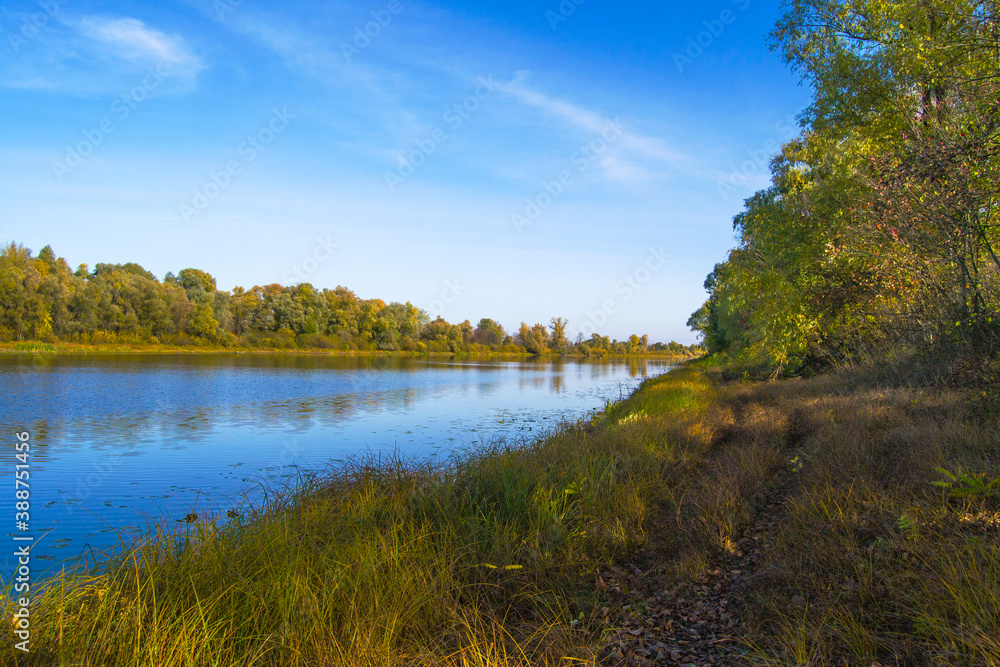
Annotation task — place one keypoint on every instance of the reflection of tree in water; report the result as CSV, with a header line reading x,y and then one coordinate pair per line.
x,y
532,382
181,428
163,423
104,398
95,418
488,388
41,436
600,369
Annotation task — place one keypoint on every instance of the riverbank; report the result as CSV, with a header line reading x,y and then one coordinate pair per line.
x,y
790,522
40,348
844,519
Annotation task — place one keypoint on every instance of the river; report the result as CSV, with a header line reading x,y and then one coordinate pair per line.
x,y
121,442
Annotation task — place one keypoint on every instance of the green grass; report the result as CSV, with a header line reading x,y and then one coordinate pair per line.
x,y
140,346
34,346
492,558
483,560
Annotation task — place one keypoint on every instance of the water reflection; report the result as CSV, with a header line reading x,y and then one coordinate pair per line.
x,y
117,440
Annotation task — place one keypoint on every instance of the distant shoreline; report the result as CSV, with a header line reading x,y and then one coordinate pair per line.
x,y
35,348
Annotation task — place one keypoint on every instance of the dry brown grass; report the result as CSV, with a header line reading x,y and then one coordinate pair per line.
x,y
866,560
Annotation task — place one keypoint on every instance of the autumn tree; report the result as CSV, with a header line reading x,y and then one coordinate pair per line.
x,y
558,341
488,332
879,229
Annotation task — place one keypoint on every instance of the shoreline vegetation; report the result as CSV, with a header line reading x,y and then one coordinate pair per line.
x,y
63,348
878,237
842,519
44,305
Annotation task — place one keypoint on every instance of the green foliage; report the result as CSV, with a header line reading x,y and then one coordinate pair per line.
x,y
907,525
34,347
962,484
42,299
879,229
534,339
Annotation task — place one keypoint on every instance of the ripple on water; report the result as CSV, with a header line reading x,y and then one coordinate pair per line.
x,y
162,427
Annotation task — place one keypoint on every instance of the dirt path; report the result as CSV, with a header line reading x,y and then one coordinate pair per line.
x,y
673,620
669,620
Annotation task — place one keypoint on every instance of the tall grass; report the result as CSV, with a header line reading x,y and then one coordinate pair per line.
x,y
862,560
480,561
492,558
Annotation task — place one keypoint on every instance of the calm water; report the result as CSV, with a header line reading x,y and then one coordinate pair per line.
x,y
121,440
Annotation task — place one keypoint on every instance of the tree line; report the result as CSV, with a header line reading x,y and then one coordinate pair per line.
x,y
878,234
42,298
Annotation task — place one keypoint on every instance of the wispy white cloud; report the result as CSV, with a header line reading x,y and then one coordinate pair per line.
x,y
359,86
96,55
615,163
396,93
129,38
306,53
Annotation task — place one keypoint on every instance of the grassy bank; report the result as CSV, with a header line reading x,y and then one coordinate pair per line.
x,y
501,557
483,561
863,558
862,513
41,348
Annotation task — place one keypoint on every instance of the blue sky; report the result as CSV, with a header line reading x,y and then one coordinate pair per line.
x,y
510,160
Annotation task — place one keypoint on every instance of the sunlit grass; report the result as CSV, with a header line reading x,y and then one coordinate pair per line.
x,y
489,559
474,562
868,561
